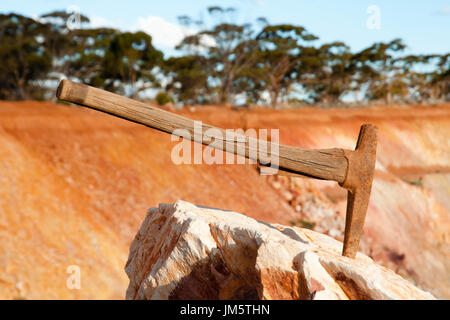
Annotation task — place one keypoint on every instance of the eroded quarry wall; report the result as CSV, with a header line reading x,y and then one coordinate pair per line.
x,y
75,185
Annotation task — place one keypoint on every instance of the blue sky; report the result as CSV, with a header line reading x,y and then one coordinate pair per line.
x,y
423,25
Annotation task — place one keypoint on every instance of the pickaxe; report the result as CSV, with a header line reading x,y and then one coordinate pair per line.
x,y
352,169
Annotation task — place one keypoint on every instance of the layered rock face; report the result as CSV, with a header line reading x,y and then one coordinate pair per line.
x,y
183,251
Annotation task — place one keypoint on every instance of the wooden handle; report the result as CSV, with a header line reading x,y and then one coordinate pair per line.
x,y
328,164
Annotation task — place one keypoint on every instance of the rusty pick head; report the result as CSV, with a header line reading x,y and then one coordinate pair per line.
x,y
358,182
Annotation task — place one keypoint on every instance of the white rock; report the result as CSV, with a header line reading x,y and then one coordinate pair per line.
x,y
183,251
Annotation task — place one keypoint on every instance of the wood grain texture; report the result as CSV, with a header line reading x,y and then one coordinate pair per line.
x,y
328,164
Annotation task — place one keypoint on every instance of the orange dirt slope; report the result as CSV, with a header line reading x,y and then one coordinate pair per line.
x,y
75,185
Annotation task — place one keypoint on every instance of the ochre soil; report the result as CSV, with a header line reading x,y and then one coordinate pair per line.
x,y
75,185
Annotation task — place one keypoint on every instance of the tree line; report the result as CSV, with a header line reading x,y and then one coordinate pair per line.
x,y
222,63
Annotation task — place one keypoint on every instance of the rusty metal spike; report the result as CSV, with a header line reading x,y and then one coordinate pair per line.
x,y
358,182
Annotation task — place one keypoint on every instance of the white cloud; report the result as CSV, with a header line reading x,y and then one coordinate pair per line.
x,y
164,34
445,10
100,22
259,3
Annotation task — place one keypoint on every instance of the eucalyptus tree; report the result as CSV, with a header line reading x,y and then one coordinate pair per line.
x,y
187,79
378,66
225,48
328,72
129,63
24,59
281,48
441,77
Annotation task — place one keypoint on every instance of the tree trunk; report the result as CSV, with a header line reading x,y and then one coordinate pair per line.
x,y
21,90
274,99
388,94
224,93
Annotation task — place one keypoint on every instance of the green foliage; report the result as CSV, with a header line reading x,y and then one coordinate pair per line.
x,y
130,57
280,52
307,225
38,52
303,224
189,79
417,183
25,60
220,63
85,56
227,49
162,98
